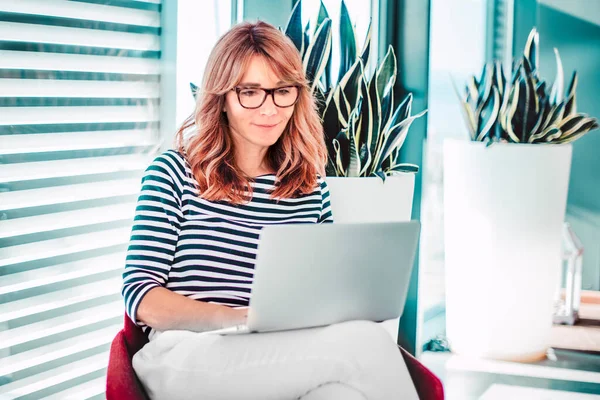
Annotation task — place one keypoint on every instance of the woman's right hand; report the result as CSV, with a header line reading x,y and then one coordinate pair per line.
x,y
234,316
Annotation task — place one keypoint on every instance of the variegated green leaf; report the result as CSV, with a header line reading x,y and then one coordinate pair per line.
x,y
294,29
558,88
365,56
380,174
354,166
194,90
585,127
531,52
405,168
347,42
571,102
340,170
317,54
552,133
367,115
350,83
513,103
397,136
489,115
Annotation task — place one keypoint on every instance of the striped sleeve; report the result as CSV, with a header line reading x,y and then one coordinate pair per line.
x,y
326,215
154,234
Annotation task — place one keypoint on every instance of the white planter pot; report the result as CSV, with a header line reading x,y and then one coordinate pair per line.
x,y
356,200
504,208
370,199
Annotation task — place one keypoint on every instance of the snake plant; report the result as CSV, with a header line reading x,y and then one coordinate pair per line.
x,y
524,109
364,126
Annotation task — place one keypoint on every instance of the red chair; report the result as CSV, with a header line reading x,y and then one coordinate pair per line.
x,y
123,384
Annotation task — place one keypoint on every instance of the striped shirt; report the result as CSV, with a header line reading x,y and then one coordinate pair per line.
x,y
202,249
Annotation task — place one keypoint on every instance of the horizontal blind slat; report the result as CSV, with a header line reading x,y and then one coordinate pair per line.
x,y
75,89
72,115
67,220
86,11
74,167
58,299
20,32
68,141
58,273
68,194
43,354
77,62
62,246
53,377
60,324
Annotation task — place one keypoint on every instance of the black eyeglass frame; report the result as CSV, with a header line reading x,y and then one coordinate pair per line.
x,y
267,92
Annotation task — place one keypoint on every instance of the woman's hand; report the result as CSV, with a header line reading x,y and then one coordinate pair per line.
x,y
165,310
234,316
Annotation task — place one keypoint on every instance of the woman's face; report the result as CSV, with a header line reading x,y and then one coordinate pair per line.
x,y
259,128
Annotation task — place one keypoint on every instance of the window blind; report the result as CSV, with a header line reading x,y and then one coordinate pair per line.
x,y
499,23
79,122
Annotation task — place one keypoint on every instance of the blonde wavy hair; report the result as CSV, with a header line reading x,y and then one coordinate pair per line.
x,y
298,156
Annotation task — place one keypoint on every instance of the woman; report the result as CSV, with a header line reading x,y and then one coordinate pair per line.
x,y
252,154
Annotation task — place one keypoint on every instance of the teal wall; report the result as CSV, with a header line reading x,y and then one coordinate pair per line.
x,y
578,42
273,12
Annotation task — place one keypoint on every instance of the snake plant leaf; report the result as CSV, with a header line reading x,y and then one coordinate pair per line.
x,y
405,168
315,59
366,116
558,88
194,90
365,56
365,158
381,83
344,142
513,103
354,167
552,134
347,42
339,163
499,78
465,108
325,78
330,167
557,114
586,126
485,84
323,14
385,77
306,37
350,83
404,109
380,174
397,136
531,107
489,115
472,91
531,52
294,29
543,110
571,124
571,106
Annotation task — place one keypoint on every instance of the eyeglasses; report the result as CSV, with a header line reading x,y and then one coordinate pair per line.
x,y
252,98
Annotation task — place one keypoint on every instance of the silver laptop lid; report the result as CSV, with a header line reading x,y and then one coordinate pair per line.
x,y
314,275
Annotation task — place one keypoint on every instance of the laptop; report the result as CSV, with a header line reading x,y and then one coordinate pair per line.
x,y
315,275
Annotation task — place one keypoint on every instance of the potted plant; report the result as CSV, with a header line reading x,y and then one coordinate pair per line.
x,y
505,195
364,126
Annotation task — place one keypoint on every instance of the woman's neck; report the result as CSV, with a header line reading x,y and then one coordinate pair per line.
x,y
253,165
